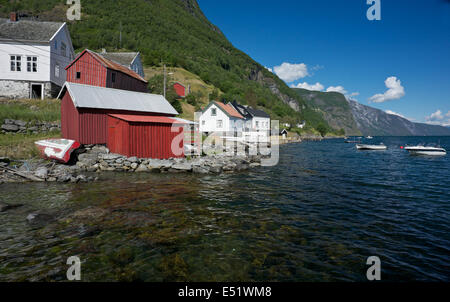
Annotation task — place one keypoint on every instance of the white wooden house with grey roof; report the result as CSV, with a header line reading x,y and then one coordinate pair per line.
x,y
33,56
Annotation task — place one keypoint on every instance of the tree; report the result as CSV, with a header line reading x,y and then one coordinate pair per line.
x,y
322,129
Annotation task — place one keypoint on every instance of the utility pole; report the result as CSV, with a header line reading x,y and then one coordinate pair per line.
x,y
120,36
165,80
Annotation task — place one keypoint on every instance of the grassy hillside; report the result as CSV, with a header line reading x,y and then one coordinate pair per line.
x,y
334,108
176,32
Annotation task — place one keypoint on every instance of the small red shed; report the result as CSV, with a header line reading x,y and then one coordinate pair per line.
x,y
92,68
180,89
145,136
84,110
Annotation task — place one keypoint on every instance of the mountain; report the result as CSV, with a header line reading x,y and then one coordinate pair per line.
x,y
357,119
372,121
334,107
175,33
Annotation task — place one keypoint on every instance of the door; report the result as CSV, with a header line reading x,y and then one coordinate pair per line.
x,y
114,139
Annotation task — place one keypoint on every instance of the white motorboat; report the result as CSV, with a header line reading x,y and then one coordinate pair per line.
x,y
369,137
426,150
371,147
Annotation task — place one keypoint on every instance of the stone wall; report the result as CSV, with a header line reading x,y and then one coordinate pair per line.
x,y
21,89
35,127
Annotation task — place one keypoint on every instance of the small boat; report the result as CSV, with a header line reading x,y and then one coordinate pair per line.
x,y
371,147
58,149
369,137
426,150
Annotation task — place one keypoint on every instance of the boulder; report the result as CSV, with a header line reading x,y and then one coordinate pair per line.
x,y
9,122
88,159
134,165
200,169
20,123
10,128
5,160
216,169
133,159
142,168
111,156
41,172
185,167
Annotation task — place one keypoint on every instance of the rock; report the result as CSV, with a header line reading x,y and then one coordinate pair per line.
x,y
111,156
133,159
254,165
100,149
142,168
41,172
9,122
33,129
200,169
10,128
5,207
38,218
5,160
54,129
229,167
20,123
81,178
216,169
185,167
64,178
134,165
241,167
88,159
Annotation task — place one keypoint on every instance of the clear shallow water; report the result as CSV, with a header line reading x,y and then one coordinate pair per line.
x,y
316,216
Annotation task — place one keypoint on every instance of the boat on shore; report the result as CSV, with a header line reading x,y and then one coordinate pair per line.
x,y
58,149
426,150
371,147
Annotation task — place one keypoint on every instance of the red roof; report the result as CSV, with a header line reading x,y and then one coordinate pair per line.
x,y
109,64
229,110
146,119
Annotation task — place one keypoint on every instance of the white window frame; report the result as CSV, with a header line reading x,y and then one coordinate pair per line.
x,y
213,111
15,63
57,70
32,64
219,124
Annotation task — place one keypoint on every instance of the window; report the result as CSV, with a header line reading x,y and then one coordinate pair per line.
x,y
32,64
203,123
57,70
213,111
16,63
56,45
257,124
113,77
219,123
78,75
63,49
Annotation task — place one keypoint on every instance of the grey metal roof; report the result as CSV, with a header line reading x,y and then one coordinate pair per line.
x,y
27,30
86,96
122,58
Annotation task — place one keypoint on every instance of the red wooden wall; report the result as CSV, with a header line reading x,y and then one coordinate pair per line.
x,y
179,89
92,71
143,140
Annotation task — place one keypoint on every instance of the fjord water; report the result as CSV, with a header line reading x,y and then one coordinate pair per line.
x,y
317,216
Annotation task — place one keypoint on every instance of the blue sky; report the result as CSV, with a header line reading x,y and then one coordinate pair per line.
x,y
334,44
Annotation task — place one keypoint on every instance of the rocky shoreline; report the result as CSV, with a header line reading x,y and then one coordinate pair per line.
x,y
95,159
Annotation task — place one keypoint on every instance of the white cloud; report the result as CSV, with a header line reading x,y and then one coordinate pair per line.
x,y
395,91
291,72
269,69
304,85
339,89
438,118
354,94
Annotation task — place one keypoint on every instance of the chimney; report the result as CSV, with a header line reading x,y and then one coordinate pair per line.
x,y
13,17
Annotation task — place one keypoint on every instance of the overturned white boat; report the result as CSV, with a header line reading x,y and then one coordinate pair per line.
x,y
371,147
426,150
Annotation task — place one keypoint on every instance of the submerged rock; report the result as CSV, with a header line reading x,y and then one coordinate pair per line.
x,y
39,218
5,207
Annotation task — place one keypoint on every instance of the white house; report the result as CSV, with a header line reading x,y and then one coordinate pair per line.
x,y
131,60
33,56
218,117
257,123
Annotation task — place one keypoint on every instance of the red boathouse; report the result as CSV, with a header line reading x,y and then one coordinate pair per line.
x,y
145,136
85,110
180,89
92,68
